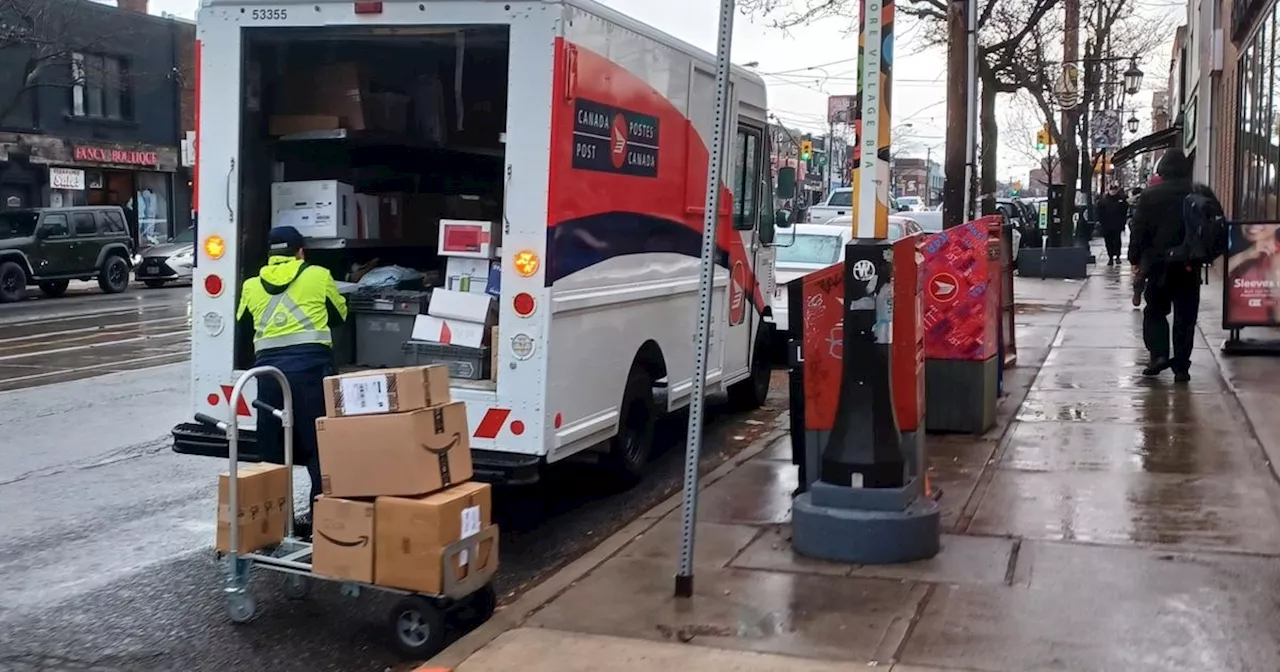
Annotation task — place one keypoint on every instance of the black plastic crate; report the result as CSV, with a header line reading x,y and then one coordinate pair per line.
x,y
464,363
402,302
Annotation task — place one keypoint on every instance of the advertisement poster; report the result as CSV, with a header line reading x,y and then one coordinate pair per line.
x,y
1253,276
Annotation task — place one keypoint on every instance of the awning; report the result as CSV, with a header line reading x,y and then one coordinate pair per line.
x,y
1162,139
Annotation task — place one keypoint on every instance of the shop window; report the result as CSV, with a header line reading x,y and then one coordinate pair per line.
x,y
99,87
151,203
84,224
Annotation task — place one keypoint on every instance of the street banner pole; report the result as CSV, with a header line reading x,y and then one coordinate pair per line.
x,y
872,121
715,161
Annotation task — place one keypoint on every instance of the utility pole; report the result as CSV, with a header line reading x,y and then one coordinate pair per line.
x,y
1068,147
954,189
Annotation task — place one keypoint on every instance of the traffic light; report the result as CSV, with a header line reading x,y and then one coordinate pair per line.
x,y
806,150
1017,187
1043,138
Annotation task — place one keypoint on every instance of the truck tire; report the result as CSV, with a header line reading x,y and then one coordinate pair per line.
x,y
55,288
751,392
13,282
114,277
630,449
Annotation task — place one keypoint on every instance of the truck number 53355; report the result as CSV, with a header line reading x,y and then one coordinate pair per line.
x,y
269,14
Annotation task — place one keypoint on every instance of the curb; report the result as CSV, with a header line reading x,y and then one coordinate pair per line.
x,y
537,597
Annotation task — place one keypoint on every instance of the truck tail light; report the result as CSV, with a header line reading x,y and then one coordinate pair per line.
x,y
213,285
368,7
524,304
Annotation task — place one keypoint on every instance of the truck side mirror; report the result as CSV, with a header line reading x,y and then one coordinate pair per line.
x,y
786,189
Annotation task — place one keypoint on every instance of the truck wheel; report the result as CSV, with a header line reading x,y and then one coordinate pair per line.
x,y
55,289
750,393
629,450
13,282
114,277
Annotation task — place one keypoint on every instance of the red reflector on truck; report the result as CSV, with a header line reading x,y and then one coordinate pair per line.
x,y
369,7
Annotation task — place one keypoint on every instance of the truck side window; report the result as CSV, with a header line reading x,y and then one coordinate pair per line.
x,y
84,223
747,151
54,226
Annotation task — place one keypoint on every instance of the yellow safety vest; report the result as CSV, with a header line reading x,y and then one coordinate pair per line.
x,y
299,315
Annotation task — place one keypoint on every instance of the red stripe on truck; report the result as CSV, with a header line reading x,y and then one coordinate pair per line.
x,y
492,423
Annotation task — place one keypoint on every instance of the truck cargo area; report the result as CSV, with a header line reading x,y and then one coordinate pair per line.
x,y
366,139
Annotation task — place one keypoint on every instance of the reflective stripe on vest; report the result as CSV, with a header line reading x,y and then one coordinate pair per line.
x,y
273,314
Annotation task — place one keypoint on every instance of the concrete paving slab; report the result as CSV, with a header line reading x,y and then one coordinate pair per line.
x,y
1036,336
1111,358
849,619
1260,407
1097,608
955,466
1226,512
1204,379
1109,338
780,450
770,483
1170,406
715,543
1128,448
772,551
963,559
543,650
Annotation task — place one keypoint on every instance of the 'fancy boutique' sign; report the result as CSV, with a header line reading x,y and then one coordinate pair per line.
x,y
130,157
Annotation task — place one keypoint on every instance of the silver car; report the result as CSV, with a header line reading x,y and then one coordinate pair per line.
x,y
167,262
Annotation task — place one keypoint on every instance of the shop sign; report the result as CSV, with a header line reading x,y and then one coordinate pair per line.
x,y
66,178
131,157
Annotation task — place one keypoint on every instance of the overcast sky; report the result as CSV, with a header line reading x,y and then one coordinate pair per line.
x,y
803,66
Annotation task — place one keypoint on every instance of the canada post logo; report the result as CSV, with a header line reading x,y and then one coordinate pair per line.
x,y
614,140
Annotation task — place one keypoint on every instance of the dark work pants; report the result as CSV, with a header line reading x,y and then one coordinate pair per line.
x,y
305,367
1176,289
1112,236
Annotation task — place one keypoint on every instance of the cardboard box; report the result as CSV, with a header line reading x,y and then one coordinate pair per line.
x,y
397,454
386,391
317,208
413,533
391,216
287,124
466,274
468,306
262,492
449,332
334,89
342,539
368,217
469,238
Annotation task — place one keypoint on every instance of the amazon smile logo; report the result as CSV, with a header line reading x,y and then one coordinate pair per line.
x,y
359,542
457,438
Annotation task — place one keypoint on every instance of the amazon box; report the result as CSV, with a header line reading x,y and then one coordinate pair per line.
x,y
412,534
396,454
386,391
342,539
262,491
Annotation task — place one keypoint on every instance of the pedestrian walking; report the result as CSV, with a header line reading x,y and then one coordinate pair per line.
x,y
1113,214
289,306
1177,229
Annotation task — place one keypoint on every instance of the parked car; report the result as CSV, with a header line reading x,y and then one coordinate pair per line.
x,y
929,221
910,203
50,247
167,262
815,247
839,203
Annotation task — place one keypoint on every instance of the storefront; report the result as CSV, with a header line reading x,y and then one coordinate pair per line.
x,y
140,179
1257,155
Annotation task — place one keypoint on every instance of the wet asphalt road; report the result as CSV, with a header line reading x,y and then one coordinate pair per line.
x,y
105,541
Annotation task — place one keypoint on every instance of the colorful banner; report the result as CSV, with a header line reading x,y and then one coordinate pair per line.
x,y
872,120
1251,294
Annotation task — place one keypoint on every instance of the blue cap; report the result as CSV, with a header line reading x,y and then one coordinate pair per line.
x,y
284,240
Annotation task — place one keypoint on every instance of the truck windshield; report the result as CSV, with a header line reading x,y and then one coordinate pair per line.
x,y
841,198
810,249
17,224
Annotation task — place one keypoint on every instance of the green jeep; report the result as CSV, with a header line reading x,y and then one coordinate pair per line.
x,y
50,247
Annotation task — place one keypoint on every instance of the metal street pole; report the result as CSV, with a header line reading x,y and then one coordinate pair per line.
x,y
715,160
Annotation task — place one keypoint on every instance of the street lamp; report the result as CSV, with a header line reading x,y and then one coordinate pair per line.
x,y
1133,124
1133,78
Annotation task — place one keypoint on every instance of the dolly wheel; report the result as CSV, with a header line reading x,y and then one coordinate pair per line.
x,y
417,628
240,607
296,586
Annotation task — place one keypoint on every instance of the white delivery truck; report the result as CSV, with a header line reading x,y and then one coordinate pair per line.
x,y
590,130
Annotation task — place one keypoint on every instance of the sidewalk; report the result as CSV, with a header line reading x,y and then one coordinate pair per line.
x,y
1110,522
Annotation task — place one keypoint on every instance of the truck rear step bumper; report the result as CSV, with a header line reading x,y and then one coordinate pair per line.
x,y
490,466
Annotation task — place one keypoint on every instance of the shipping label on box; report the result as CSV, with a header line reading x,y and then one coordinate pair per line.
x,y
262,494
342,539
317,208
468,238
395,454
467,306
413,533
449,332
386,391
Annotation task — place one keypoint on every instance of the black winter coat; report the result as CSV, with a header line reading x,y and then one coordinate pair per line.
x,y
1112,213
1157,220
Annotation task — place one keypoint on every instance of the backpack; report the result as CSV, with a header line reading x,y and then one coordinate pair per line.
x,y
1205,231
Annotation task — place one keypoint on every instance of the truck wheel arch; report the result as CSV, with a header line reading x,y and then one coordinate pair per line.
x,y
650,359
18,257
116,249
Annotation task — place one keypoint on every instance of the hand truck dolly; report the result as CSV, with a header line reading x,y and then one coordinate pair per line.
x,y
417,621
